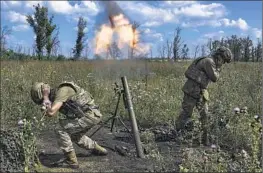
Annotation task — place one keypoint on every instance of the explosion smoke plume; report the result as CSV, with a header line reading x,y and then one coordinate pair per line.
x,y
119,25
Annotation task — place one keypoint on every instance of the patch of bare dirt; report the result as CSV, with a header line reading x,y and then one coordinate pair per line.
x,y
160,155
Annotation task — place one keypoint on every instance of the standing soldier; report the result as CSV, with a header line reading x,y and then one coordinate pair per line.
x,y
202,71
79,114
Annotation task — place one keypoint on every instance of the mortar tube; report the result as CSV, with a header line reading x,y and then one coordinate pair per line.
x,y
133,118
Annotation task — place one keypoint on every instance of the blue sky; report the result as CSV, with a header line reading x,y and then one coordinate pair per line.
x,y
199,20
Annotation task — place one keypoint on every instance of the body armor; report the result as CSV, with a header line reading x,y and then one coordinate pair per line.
x,y
197,75
79,104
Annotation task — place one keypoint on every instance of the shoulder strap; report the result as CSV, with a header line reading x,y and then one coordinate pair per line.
x,y
199,59
70,84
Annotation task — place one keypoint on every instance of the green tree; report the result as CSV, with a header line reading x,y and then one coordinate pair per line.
x,y
247,43
49,40
80,38
177,43
43,28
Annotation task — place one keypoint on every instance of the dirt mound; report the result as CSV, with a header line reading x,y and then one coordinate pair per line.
x,y
11,152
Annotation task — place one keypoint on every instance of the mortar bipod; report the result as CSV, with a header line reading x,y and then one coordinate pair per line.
x,y
120,93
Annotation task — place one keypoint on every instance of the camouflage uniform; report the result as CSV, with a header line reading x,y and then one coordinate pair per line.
x,y
78,115
71,126
199,74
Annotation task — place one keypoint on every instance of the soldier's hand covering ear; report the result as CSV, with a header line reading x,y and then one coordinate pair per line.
x,y
47,103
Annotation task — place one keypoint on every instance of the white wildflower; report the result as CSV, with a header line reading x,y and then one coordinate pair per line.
x,y
236,110
20,123
244,153
213,146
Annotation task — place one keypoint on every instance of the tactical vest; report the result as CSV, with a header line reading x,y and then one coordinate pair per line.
x,y
197,75
82,99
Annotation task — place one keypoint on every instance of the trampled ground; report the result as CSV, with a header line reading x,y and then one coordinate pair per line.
x,y
115,161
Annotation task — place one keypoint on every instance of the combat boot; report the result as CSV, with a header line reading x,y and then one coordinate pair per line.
x,y
98,150
70,160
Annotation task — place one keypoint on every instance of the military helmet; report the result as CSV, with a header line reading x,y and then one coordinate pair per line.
x,y
225,53
36,92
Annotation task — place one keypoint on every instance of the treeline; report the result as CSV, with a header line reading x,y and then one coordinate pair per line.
x,y
242,48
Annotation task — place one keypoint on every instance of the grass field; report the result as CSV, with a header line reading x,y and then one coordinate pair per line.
x,y
155,88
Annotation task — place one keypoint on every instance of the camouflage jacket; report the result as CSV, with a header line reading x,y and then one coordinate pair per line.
x,y
199,74
81,101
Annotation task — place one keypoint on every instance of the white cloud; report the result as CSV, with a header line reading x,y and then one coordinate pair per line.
x,y
147,31
190,13
62,7
214,35
173,4
214,10
153,23
151,34
240,23
257,32
93,8
22,27
16,17
147,13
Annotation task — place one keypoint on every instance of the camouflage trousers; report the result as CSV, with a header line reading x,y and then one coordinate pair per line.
x,y
74,130
188,105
